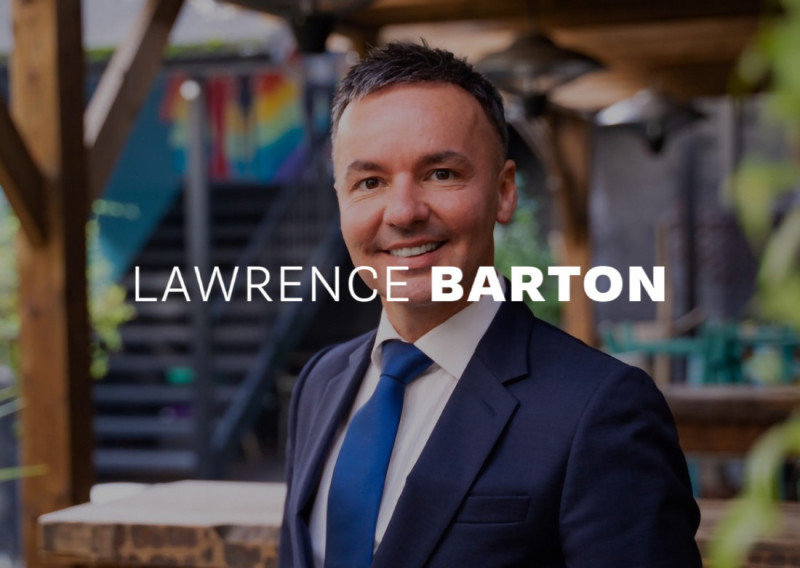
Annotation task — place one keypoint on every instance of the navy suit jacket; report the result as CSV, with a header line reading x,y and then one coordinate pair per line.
x,y
548,454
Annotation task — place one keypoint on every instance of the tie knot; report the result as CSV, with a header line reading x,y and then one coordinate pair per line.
x,y
402,361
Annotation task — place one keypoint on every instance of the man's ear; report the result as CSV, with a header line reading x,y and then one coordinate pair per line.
x,y
507,188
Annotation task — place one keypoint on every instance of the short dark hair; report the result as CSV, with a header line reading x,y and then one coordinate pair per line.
x,y
406,63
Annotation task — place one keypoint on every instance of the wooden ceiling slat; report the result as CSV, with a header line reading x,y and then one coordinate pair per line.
x,y
686,58
550,13
685,47
705,40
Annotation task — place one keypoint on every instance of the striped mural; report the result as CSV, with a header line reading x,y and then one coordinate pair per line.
x,y
256,128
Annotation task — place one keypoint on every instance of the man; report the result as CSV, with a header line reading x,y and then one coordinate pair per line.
x,y
511,443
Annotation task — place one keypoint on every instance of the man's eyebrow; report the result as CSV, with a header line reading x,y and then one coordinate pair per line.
x,y
427,160
364,166
443,156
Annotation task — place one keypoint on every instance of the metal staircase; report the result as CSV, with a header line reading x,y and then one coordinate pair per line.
x,y
155,416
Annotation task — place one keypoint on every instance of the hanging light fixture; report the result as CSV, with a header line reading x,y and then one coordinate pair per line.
x,y
652,114
312,21
533,66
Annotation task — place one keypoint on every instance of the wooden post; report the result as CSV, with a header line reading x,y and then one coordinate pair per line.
x,y
563,144
572,161
47,102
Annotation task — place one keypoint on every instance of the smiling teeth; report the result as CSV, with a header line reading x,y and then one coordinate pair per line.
x,y
414,251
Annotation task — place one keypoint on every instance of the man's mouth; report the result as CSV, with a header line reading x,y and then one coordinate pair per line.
x,y
406,252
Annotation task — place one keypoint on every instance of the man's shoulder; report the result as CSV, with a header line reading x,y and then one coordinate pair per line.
x,y
548,347
336,357
559,364
329,362
554,346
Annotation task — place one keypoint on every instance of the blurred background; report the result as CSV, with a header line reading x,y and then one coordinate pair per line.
x,y
646,133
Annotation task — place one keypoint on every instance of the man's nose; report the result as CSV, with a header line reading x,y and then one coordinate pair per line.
x,y
406,203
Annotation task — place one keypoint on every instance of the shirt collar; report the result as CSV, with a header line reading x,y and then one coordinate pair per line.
x,y
451,344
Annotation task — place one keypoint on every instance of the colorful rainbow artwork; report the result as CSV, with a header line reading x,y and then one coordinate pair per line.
x,y
255,124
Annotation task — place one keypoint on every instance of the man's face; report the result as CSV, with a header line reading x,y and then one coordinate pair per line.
x,y
420,182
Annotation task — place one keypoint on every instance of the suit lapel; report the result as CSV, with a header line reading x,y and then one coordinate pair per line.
x,y
470,426
334,404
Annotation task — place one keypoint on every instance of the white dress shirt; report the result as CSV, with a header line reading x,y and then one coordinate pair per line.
x,y
450,346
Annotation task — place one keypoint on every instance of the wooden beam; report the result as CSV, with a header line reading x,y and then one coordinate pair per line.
x,y
686,58
562,142
384,13
663,43
571,141
124,87
549,13
21,179
595,91
47,94
472,39
695,80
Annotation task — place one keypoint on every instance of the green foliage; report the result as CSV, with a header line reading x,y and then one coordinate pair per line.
x,y
107,306
757,186
755,513
9,318
107,311
517,244
12,473
773,56
760,182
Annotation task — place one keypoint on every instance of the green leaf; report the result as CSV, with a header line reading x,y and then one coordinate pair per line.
x,y
757,513
517,244
756,185
12,473
779,274
741,526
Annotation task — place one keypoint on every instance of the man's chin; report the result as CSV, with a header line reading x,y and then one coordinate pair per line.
x,y
404,298
411,291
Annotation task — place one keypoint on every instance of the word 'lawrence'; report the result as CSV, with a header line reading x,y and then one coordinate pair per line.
x,y
296,284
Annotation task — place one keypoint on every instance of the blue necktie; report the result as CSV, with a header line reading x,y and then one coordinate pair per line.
x,y
360,471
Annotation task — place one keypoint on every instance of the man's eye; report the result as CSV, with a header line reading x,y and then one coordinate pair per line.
x,y
369,183
442,174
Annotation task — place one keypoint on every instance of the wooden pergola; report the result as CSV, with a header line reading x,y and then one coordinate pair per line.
x,y
56,154
54,161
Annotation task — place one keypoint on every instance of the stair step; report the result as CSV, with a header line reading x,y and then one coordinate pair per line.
x,y
178,309
127,363
174,235
172,309
155,395
131,462
133,427
228,334
144,426
249,210
163,256
232,199
153,281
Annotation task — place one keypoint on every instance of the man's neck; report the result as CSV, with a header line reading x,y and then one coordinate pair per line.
x,y
412,322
